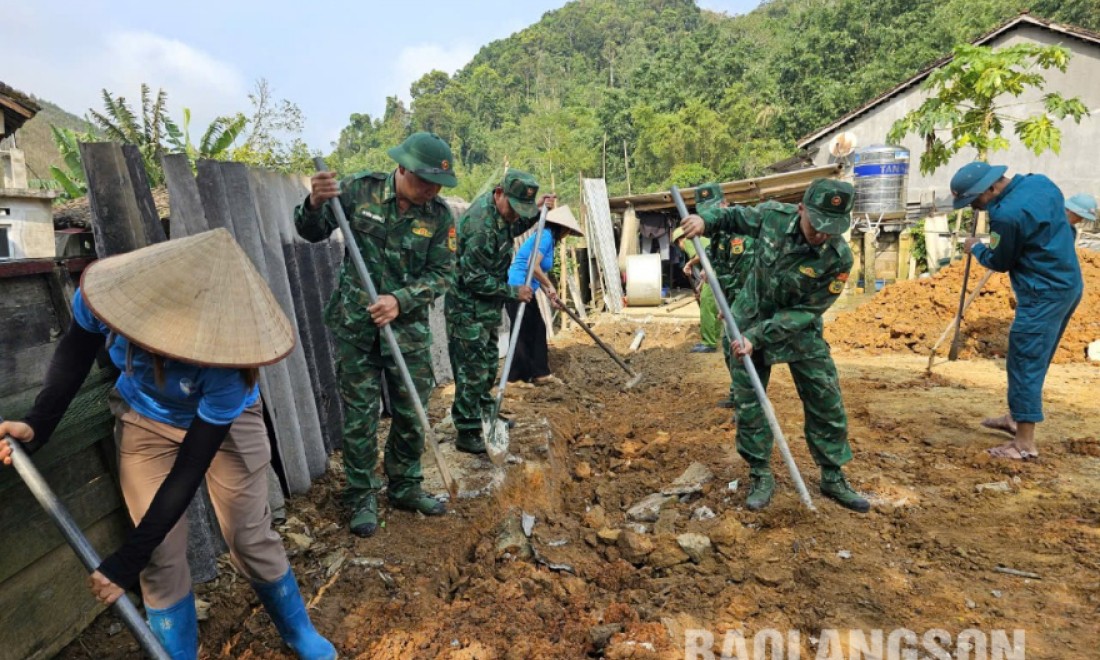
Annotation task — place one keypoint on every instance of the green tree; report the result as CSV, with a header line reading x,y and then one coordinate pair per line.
x,y
273,137
216,140
149,132
970,103
71,178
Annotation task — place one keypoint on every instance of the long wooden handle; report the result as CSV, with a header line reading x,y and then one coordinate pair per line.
x,y
757,386
395,350
80,545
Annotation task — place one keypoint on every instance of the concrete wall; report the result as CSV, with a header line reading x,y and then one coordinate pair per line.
x,y
13,169
1075,170
28,216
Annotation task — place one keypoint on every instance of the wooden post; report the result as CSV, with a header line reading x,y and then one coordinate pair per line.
x,y
869,260
857,263
626,164
905,245
563,291
955,236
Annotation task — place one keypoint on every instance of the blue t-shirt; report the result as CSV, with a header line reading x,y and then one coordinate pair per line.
x,y
518,271
217,395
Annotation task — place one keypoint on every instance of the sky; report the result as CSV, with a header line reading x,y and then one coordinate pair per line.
x,y
331,59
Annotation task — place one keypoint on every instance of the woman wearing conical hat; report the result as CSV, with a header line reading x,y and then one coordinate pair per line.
x,y
531,362
188,323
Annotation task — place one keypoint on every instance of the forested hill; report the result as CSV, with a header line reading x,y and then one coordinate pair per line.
x,y
693,95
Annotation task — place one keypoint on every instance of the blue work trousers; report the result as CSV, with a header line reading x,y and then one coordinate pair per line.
x,y
1041,319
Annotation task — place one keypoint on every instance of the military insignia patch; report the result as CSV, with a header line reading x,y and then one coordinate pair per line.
x,y
452,240
705,194
994,240
836,286
444,164
808,271
737,246
843,277
422,231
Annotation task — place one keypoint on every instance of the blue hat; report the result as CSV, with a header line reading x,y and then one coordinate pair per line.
x,y
1083,205
972,180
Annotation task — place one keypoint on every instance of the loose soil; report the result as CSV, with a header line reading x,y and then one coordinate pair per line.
x,y
592,583
910,316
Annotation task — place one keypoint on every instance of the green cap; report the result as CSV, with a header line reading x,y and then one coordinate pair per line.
x,y
427,156
521,189
829,203
708,195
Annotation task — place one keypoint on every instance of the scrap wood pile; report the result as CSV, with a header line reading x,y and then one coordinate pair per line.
x,y
910,315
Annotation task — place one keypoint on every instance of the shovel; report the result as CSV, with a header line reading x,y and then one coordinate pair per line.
x,y
80,545
635,377
496,438
387,332
757,386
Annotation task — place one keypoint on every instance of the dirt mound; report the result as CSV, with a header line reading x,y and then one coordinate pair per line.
x,y
910,316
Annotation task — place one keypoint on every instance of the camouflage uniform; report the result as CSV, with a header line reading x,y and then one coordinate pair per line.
x,y
410,256
790,285
731,257
474,303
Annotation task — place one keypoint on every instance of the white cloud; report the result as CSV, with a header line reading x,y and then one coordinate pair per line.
x,y
72,74
414,61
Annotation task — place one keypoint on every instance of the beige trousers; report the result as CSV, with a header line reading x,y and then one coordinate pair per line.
x,y
237,481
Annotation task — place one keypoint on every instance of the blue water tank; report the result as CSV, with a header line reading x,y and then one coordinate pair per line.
x,y
881,174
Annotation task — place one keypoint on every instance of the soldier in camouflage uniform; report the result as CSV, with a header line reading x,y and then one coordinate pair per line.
x,y
406,234
485,245
800,268
731,257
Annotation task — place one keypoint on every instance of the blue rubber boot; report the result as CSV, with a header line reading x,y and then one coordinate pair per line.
x,y
283,603
177,628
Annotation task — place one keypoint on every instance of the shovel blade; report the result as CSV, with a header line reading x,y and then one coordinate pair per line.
x,y
496,440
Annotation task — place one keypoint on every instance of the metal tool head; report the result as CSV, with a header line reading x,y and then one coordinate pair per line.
x,y
496,440
632,382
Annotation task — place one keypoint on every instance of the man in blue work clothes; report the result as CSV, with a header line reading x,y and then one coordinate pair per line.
x,y
1031,241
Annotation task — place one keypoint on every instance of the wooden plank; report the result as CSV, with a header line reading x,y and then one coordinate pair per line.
x,y
274,379
47,605
300,294
187,215
212,195
143,197
85,488
25,367
116,220
62,287
255,202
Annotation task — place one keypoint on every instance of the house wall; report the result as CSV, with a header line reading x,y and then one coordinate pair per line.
x,y
1075,169
13,168
28,216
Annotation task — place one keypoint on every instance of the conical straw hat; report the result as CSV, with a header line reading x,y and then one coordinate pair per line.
x,y
563,217
196,299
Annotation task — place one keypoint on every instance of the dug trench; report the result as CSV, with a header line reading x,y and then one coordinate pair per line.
x,y
591,580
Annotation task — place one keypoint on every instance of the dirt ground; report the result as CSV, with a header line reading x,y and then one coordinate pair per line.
x,y
590,582
910,316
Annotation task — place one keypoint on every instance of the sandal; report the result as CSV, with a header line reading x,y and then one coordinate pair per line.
x,y
1012,452
1003,423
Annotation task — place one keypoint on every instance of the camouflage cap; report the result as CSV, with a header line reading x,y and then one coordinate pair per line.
x,y
521,189
829,203
708,195
428,156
